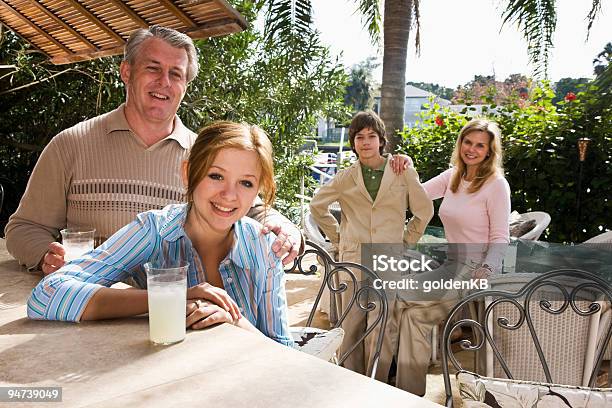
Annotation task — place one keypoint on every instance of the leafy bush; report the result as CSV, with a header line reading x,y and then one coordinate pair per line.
x,y
541,158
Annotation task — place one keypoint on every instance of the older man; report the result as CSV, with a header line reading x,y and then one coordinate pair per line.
x,y
102,172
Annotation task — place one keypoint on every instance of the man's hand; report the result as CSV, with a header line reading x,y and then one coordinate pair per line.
x,y
284,243
218,296
400,162
53,259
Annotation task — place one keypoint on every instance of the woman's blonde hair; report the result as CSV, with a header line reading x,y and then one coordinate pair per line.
x,y
226,135
491,165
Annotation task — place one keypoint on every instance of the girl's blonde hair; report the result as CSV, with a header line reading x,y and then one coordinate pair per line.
x,y
225,135
491,165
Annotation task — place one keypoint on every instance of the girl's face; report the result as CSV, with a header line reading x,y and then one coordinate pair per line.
x,y
475,148
227,191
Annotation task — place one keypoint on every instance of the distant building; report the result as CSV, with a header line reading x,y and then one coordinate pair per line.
x,y
415,99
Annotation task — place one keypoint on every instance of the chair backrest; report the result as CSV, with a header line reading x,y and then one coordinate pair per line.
x,y
365,297
312,231
605,238
541,303
542,220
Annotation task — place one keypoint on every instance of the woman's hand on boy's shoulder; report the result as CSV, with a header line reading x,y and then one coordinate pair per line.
x,y
400,162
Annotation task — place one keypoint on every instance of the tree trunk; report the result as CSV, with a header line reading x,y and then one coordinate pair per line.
x,y
396,26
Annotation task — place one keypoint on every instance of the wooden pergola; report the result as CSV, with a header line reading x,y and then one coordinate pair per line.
x,y
78,30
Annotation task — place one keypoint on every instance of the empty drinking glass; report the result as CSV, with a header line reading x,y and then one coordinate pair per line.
x,y
77,241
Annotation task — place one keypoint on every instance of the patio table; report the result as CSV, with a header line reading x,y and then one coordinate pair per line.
x,y
112,363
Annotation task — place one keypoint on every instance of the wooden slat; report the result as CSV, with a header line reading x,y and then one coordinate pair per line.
x,y
178,13
224,5
215,29
77,30
63,24
34,26
68,59
135,17
95,20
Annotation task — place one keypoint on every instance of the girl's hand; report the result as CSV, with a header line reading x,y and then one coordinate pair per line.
x,y
203,314
218,296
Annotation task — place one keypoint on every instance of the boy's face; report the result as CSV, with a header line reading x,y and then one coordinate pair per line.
x,y
367,144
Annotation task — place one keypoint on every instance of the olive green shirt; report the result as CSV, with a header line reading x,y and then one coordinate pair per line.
x,y
372,178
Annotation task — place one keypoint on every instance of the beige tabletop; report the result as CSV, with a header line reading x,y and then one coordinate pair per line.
x,y
112,363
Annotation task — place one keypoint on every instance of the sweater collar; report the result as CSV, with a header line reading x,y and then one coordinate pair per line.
x,y
116,121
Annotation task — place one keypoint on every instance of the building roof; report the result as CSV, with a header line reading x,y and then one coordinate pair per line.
x,y
70,30
414,92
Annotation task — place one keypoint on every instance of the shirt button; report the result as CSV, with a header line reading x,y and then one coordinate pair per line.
x,y
229,280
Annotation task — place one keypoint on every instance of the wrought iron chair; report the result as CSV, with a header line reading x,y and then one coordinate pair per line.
x,y
367,298
553,294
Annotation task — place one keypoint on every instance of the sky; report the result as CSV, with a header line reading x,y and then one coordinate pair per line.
x,y
462,38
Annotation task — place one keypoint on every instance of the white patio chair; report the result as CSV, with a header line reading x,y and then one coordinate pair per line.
x,y
542,220
605,238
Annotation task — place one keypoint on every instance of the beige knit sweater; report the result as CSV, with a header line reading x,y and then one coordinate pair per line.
x,y
99,174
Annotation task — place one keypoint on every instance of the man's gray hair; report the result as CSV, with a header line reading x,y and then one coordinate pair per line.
x,y
172,37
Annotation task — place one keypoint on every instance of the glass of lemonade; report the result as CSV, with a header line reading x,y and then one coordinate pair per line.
x,y
77,241
167,292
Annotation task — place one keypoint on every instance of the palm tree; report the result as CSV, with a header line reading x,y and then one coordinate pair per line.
x,y
537,20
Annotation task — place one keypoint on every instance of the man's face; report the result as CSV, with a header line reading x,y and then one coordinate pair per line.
x,y
156,82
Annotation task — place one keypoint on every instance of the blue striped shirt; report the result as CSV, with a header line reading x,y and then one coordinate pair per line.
x,y
252,274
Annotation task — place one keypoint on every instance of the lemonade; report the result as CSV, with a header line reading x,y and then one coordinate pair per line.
x,y
167,305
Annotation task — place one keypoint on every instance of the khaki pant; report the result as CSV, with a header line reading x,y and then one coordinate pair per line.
x,y
408,336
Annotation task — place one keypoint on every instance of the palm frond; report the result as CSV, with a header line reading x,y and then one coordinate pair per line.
x,y
416,25
371,18
286,18
595,9
537,19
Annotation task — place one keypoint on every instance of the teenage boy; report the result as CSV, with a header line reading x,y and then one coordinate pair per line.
x,y
373,200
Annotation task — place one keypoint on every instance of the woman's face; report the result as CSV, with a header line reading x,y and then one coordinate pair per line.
x,y
227,191
475,148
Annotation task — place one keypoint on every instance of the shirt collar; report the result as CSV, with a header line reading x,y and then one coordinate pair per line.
x,y
116,121
381,168
174,229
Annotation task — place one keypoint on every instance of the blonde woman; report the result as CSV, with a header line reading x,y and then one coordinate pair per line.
x,y
232,266
475,195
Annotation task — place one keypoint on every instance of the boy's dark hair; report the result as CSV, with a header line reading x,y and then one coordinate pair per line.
x,y
368,119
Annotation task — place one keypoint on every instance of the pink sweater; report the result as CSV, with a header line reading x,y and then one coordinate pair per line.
x,y
477,218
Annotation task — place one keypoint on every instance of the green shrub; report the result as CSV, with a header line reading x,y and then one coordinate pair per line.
x,y
540,156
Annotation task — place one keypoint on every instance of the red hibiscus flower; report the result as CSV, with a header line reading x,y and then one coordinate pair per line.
x,y
439,121
570,96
